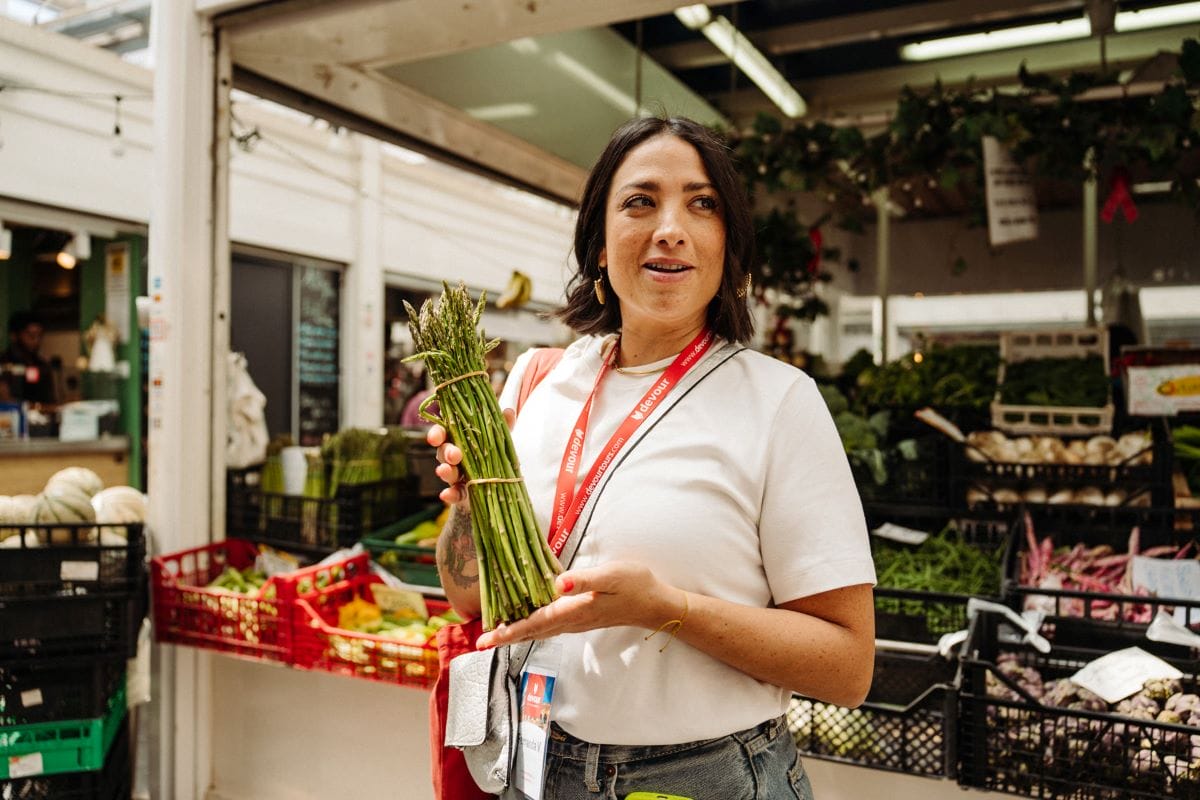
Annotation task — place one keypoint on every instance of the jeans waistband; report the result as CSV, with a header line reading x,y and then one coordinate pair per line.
x,y
565,745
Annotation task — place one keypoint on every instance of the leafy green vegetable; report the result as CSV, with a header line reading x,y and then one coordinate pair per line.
x,y
1079,382
961,376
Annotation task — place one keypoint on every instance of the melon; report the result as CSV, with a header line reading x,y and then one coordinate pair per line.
x,y
15,512
61,503
118,506
85,479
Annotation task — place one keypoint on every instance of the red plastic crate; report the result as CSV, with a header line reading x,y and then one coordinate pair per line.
x,y
321,645
258,626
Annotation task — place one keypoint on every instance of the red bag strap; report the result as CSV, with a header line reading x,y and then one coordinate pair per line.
x,y
541,362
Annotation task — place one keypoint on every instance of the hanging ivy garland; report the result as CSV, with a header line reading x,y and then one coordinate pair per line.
x,y
929,157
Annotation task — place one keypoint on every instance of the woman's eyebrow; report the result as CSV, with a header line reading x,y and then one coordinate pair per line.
x,y
653,186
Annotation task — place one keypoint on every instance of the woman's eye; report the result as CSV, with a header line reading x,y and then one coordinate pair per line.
x,y
637,201
708,203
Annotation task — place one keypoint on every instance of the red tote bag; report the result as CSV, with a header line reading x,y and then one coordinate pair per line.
x,y
451,778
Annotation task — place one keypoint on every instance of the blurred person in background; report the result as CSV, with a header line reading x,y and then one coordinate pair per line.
x,y
24,373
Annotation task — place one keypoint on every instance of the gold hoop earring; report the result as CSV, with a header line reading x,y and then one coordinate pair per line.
x,y
744,290
598,288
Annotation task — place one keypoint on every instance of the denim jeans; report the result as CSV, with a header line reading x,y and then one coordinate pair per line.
x,y
760,763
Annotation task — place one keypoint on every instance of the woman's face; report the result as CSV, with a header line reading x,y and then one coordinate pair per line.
x,y
664,236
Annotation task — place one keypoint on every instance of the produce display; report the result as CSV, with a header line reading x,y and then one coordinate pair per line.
x,y
957,376
516,566
1045,565
1131,448
248,580
1045,736
59,514
363,616
945,563
1076,382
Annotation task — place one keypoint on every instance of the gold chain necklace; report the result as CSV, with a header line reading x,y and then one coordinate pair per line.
x,y
634,372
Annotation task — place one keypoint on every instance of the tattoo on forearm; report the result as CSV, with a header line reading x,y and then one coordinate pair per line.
x,y
459,554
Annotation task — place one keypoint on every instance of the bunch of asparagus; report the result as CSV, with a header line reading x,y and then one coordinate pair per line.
x,y
516,565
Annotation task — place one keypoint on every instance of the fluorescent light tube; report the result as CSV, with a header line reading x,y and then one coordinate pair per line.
x,y
1002,39
599,85
1045,33
748,58
1160,17
503,111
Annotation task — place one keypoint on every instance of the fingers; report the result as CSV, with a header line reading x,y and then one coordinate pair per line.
x,y
435,436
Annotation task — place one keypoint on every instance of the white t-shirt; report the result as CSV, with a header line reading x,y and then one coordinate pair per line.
x,y
742,492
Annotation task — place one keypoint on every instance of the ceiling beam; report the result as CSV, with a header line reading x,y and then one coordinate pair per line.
x,y
875,91
419,117
906,21
376,32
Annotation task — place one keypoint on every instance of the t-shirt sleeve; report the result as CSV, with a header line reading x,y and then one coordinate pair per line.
x,y
512,386
811,529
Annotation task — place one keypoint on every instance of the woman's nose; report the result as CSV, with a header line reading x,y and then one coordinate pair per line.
x,y
671,230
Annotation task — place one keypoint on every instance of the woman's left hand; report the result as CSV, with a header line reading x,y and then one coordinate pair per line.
x,y
616,593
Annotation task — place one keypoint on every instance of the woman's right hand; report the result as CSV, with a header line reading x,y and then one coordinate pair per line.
x,y
449,460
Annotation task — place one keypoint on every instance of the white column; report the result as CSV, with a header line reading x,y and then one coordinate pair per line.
x,y
181,403
363,299
883,267
1090,235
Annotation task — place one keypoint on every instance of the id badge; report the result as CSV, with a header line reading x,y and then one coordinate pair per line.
x,y
538,682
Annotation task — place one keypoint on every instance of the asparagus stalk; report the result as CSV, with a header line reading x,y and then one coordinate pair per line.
x,y
516,565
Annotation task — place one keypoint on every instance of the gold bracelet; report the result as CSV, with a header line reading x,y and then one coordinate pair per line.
x,y
674,624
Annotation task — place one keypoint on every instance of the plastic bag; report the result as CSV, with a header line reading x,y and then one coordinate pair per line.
x,y
246,428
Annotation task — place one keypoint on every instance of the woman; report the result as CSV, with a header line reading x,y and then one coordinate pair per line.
x,y
726,563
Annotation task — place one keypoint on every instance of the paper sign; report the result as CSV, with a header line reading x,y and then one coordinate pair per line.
x,y
116,287
1011,204
79,571
1163,391
1176,580
31,698
1165,629
399,602
25,766
1123,673
898,533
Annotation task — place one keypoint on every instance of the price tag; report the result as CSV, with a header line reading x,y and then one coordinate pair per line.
x,y
31,698
25,766
399,602
1121,674
79,571
898,533
1175,580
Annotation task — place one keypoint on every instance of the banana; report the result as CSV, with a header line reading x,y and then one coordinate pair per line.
x,y
517,292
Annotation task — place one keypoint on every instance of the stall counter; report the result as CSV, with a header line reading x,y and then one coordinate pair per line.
x,y
26,464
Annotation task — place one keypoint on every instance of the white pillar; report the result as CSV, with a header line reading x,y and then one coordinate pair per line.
x,y
180,370
363,299
883,266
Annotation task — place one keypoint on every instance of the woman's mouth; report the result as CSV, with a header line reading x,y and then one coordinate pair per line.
x,y
666,268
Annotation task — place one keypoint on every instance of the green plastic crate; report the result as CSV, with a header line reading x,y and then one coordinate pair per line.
x,y
409,563
52,748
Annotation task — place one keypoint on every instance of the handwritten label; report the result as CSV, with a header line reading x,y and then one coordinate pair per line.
x,y
79,571
898,533
25,766
31,698
1123,673
399,602
1011,203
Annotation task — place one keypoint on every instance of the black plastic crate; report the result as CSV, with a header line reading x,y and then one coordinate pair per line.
x,y
1009,741
923,479
47,690
913,614
1076,615
113,782
315,526
905,725
1142,484
73,595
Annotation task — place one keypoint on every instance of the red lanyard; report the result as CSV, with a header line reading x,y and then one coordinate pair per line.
x,y
568,503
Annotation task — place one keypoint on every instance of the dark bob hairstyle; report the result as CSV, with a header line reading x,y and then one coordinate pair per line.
x,y
728,315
